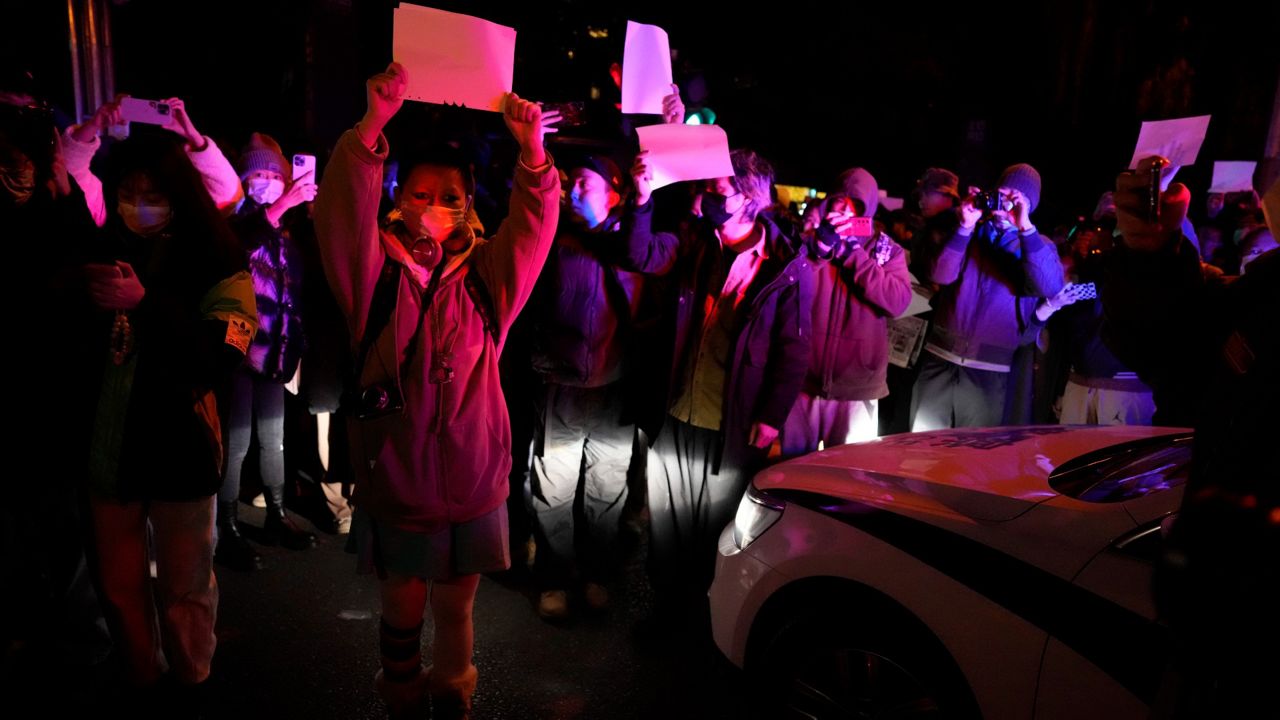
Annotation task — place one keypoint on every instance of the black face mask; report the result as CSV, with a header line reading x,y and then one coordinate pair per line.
x,y
713,209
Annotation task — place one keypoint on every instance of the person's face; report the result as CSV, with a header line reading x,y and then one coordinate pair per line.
x,y
264,175
28,145
734,202
1260,243
433,202
143,207
933,202
433,185
844,204
1213,204
17,175
139,189
590,198
812,216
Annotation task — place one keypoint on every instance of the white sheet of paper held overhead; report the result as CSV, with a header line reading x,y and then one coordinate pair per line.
x,y
646,69
1232,176
1178,140
453,58
891,203
685,152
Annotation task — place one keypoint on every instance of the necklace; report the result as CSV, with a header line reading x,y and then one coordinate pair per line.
x,y
121,338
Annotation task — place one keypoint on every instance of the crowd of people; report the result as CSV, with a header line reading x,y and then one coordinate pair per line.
x,y
656,347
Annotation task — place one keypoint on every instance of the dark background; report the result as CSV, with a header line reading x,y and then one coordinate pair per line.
x,y
894,87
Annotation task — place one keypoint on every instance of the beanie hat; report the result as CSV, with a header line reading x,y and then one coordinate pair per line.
x,y
262,153
1023,178
602,166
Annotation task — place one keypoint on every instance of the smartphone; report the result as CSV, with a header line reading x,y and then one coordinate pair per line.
x,y
571,113
151,112
303,164
862,226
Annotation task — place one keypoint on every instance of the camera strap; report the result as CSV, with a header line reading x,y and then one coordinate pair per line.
x,y
428,295
381,308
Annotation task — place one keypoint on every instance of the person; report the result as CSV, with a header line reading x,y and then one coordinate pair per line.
x,y
257,389
583,319
54,627
860,281
428,305
1207,346
177,314
586,300
1254,244
1099,389
739,319
992,271
931,220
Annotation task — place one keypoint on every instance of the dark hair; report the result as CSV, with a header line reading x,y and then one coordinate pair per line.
x,y
753,177
207,249
441,155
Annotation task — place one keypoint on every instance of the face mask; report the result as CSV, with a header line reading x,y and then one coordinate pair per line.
x,y
145,219
19,183
265,191
439,222
432,225
713,209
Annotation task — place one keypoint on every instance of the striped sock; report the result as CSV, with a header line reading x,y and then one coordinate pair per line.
x,y
401,651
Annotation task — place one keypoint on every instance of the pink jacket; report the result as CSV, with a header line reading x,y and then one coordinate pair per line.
x,y
446,458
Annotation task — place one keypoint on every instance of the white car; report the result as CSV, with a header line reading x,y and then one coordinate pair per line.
x,y
993,572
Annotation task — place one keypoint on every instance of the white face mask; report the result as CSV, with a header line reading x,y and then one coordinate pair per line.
x,y
265,191
145,219
439,222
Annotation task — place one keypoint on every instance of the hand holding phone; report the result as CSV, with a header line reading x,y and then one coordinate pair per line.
x,y
302,165
151,112
567,114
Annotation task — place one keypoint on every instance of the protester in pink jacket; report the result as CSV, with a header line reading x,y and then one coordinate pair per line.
x,y
432,453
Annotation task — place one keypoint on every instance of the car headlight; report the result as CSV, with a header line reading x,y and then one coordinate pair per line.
x,y
757,512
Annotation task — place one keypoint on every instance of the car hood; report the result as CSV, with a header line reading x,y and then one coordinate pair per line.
x,y
985,474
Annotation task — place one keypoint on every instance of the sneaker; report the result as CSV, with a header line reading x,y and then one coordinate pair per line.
x,y
553,605
596,595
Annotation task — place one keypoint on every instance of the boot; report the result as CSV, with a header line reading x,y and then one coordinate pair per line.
x,y
402,681
279,528
404,699
451,697
233,550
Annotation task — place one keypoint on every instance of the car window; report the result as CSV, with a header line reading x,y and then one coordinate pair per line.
x,y
1126,471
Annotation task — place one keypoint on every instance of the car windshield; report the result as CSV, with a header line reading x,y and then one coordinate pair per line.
x,y
1127,471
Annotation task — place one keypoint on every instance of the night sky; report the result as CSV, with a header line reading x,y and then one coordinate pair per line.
x,y
815,87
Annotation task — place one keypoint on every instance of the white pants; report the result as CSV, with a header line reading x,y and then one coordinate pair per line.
x,y
831,422
1083,405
